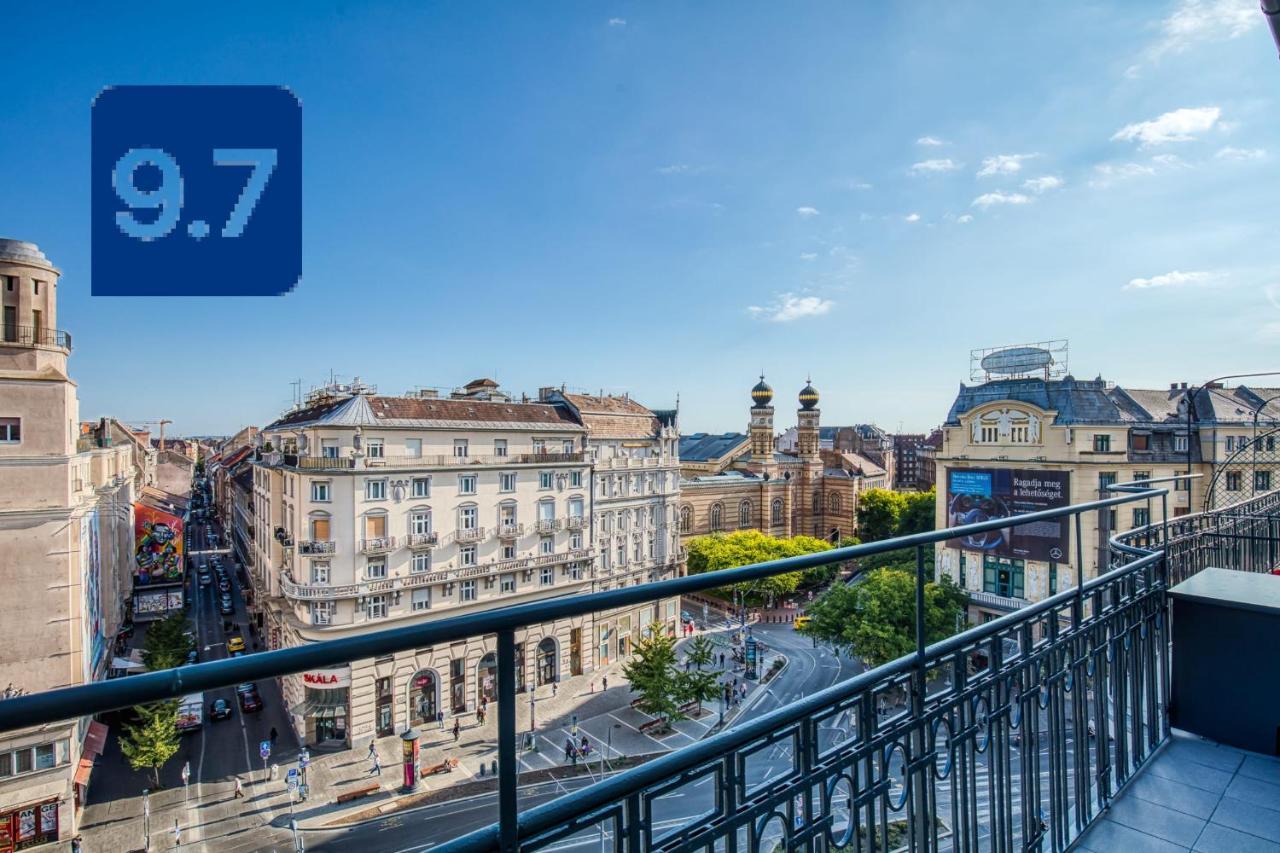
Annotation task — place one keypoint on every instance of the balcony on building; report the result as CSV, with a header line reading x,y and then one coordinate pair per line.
x,y
421,541
546,525
36,337
574,522
1049,728
467,535
509,530
425,461
316,547
377,545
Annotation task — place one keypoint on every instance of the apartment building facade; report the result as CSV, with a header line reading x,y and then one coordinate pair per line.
x,y
1016,445
66,550
374,511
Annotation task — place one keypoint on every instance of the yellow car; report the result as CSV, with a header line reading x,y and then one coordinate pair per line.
x,y
235,644
799,622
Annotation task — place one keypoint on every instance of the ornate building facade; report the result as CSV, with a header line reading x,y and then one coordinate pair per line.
x,y
739,481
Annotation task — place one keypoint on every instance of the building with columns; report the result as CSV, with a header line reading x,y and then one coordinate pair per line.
x,y
66,550
737,481
374,511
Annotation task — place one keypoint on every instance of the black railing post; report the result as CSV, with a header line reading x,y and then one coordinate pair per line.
x,y
507,779
922,815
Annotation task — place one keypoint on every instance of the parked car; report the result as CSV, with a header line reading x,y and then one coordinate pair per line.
x,y
193,656
235,644
205,579
220,709
224,585
226,608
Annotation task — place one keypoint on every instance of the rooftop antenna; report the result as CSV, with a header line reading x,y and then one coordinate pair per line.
x,y
297,391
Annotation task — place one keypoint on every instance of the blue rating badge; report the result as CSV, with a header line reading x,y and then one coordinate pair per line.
x,y
196,191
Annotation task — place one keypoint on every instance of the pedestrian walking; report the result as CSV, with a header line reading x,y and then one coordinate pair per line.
x,y
440,719
480,716
605,680
457,730
376,769
743,688
177,834
372,750
722,660
239,794
586,745
555,688
568,750
75,844
274,735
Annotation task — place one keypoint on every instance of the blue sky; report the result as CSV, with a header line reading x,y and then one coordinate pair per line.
x,y
666,198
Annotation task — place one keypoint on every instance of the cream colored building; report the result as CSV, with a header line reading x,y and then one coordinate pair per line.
x,y
377,511
1054,442
66,549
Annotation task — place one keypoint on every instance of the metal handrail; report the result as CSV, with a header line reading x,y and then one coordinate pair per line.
x,y
52,705
34,336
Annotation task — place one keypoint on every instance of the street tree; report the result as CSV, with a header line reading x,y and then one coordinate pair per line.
x,y
167,643
875,619
696,686
919,511
879,511
152,739
700,651
652,673
744,547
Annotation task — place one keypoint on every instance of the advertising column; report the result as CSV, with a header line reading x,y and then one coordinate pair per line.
x,y
409,749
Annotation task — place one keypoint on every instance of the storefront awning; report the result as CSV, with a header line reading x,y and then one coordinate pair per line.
x,y
83,771
95,740
321,702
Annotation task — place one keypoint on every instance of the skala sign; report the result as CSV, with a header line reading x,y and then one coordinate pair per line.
x,y
327,679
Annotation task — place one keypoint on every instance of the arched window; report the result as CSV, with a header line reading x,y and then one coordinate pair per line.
x,y
817,502
834,502
776,512
744,514
686,519
717,514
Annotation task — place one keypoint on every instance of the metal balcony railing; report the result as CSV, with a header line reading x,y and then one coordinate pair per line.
x,y
547,525
340,463
378,545
311,547
422,540
574,522
34,336
995,745
509,530
464,535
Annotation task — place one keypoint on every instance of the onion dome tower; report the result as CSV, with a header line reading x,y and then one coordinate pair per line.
x,y
807,422
761,428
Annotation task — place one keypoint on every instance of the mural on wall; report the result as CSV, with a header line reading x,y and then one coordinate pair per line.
x,y
91,585
157,537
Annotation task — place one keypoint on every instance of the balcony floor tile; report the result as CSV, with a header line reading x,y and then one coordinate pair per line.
x,y
1196,802
1160,821
1217,838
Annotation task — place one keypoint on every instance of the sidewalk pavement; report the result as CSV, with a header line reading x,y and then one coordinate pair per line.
x,y
212,819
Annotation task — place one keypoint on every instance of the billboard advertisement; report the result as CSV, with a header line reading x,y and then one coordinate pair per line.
x,y
981,494
157,540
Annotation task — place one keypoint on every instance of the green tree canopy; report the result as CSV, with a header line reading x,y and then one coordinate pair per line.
x,y
919,509
150,742
167,644
878,513
744,547
652,673
875,618
700,651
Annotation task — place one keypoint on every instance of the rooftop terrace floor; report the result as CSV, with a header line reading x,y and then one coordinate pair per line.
x,y
1194,795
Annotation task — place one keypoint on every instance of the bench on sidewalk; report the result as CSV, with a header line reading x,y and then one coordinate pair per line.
x,y
652,724
688,708
357,793
446,766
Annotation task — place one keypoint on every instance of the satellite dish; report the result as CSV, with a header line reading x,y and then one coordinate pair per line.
x,y
1008,362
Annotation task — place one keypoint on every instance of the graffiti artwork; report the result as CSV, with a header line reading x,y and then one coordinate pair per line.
x,y
157,537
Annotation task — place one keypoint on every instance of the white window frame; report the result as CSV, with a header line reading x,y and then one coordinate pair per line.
x,y
467,484
420,522
547,545
320,492
420,599
546,480
376,570
461,448
506,481
375,607
421,487
467,555
508,582
500,447
467,590
546,576
420,563
375,448
375,486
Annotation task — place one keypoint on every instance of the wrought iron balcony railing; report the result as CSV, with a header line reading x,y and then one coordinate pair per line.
x,y
311,547
34,336
422,540
378,545
1013,735
464,535
345,462
509,530
547,525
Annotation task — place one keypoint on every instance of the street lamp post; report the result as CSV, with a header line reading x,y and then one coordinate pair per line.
x,y
1193,392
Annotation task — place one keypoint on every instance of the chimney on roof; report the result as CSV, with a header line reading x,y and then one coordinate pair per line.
x,y
544,394
1173,386
1184,386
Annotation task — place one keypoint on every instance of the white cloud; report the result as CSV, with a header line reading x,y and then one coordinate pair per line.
x,y
807,212
1042,184
1106,174
1003,164
808,256
1196,21
1180,125
1000,197
680,169
1173,279
911,217
790,306
1230,153
943,165
930,141
617,22
963,218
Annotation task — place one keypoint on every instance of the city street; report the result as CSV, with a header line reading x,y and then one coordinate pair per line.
x,y
205,808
